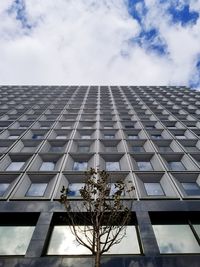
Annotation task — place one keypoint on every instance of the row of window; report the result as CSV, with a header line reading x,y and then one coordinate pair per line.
x,y
173,236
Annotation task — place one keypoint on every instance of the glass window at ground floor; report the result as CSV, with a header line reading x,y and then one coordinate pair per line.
x,y
176,239
63,242
14,240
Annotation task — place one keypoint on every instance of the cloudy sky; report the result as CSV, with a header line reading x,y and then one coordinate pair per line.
x,y
135,42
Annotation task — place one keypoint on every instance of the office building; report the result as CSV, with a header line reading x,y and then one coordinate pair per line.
x,y
149,136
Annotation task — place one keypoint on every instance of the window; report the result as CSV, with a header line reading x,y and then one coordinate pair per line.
x,y
192,148
176,166
191,189
175,239
56,148
37,136
61,137
80,166
63,242
180,136
15,166
114,189
132,136
111,149
85,136
137,149
112,166
165,149
156,136
15,239
47,166
83,149
13,136
144,166
154,189
74,189
36,190
109,136
3,188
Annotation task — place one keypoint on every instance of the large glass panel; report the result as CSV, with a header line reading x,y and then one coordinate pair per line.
x,y
56,149
36,190
14,240
63,242
132,136
176,166
15,166
165,149
191,189
37,136
176,239
47,166
154,189
144,166
80,166
61,137
3,188
13,136
74,189
111,149
112,166
137,149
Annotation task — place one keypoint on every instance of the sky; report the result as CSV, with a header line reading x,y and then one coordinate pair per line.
x,y
100,42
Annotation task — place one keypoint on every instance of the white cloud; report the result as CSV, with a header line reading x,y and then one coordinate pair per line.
x,y
86,42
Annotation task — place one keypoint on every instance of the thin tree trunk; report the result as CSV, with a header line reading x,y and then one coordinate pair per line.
x,y
97,259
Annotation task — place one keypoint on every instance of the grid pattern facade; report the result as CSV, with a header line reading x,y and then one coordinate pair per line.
x,y
149,136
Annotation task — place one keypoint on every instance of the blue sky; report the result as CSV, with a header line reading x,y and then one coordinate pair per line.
x,y
136,42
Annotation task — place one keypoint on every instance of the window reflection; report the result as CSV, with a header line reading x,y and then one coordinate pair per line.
x,y
74,189
144,166
191,189
112,166
80,166
14,240
15,166
176,239
47,166
154,189
63,242
3,188
176,166
36,190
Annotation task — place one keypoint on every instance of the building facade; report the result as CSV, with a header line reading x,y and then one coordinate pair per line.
x,y
149,136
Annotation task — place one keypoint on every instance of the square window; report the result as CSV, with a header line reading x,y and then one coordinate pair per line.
x,y
191,189
176,166
15,239
80,166
15,166
36,190
74,189
175,239
112,166
154,189
3,188
47,166
144,166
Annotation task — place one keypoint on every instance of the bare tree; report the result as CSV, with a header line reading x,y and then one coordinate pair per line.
x,y
98,221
